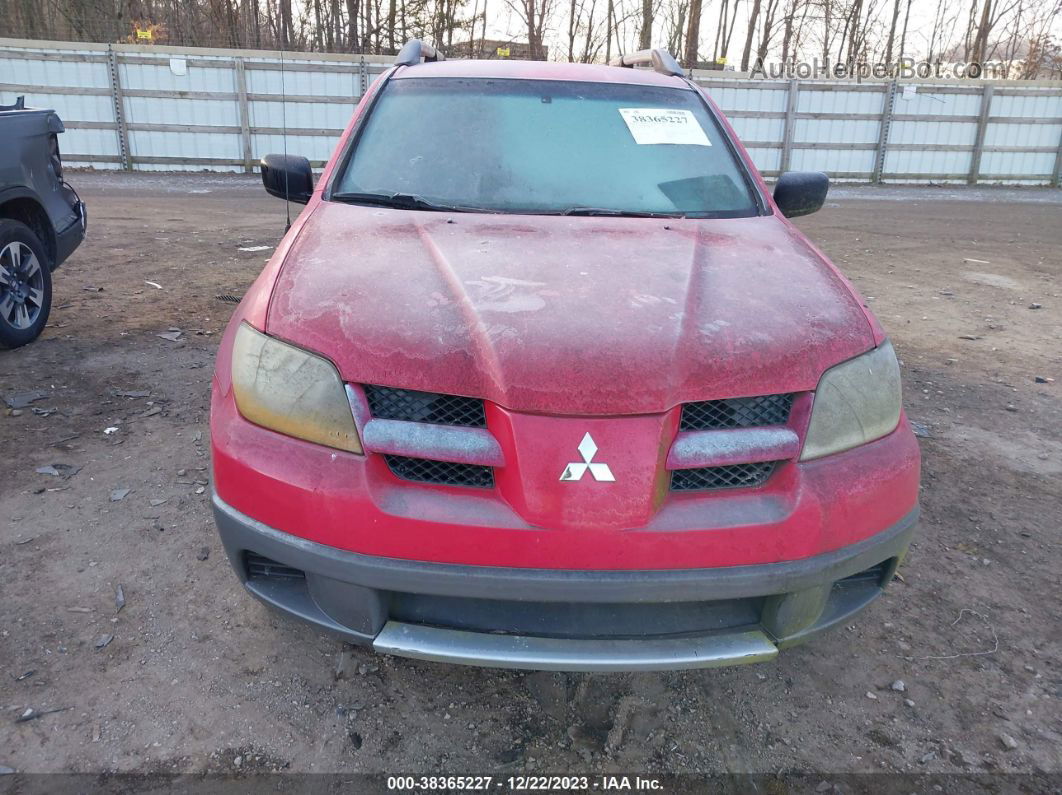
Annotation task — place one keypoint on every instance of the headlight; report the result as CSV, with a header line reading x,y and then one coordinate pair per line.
x,y
856,402
288,390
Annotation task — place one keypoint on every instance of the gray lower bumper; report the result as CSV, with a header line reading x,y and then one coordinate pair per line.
x,y
355,596
566,654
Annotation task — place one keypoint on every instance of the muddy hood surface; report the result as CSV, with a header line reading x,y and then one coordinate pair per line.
x,y
564,315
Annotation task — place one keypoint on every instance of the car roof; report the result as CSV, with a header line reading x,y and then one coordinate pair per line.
x,y
541,70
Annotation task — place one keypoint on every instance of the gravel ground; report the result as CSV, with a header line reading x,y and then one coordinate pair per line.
x,y
192,675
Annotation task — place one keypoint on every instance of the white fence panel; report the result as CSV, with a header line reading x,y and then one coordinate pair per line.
x,y
194,109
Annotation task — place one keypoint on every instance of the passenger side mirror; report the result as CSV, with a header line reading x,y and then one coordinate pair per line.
x,y
801,192
288,176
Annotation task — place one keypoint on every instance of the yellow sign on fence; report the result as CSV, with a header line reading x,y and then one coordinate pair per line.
x,y
502,52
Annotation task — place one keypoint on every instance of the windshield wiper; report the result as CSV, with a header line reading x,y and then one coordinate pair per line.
x,y
400,201
619,213
410,201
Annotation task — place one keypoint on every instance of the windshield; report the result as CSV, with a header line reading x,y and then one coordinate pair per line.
x,y
540,146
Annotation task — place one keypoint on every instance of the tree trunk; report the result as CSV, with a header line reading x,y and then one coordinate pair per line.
x,y
392,14
366,32
256,22
730,30
983,29
968,37
589,51
285,24
892,31
317,26
609,29
853,38
768,31
645,41
903,36
571,32
787,33
353,11
753,19
826,31
693,34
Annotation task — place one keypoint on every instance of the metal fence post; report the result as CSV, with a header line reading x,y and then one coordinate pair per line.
x,y
979,141
118,102
1056,179
788,130
887,109
245,113
363,72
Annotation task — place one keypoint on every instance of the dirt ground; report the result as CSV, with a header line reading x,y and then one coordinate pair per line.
x,y
200,677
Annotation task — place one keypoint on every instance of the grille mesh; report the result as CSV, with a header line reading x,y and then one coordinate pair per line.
x,y
412,406
873,575
261,566
726,477
422,470
748,412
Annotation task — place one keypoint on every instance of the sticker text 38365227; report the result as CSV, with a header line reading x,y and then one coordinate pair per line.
x,y
664,126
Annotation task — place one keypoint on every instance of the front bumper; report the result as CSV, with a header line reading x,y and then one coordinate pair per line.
x,y
551,619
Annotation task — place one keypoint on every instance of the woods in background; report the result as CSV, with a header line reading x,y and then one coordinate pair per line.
x,y
1023,35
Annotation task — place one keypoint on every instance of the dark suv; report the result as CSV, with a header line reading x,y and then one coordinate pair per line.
x,y
42,220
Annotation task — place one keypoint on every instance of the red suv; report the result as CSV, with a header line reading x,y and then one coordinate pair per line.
x,y
543,377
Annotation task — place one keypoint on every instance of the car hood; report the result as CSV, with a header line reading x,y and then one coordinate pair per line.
x,y
565,315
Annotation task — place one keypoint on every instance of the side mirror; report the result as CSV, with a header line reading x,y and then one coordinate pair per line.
x,y
801,192
288,176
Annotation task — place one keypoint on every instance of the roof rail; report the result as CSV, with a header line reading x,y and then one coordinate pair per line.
x,y
414,50
661,60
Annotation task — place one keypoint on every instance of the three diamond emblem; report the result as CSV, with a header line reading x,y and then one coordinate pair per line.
x,y
598,470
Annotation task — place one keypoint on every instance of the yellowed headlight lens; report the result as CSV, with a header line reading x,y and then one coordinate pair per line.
x,y
856,402
291,391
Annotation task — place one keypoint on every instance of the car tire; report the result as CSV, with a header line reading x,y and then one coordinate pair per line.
x,y
25,284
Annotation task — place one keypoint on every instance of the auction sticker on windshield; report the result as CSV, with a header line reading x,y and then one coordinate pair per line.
x,y
664,126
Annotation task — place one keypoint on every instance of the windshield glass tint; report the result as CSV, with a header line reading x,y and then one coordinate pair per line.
x,y
547,147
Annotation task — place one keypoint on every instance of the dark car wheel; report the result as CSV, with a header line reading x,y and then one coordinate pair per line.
x,y
25,284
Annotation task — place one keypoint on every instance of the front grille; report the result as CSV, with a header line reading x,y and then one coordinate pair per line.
x,y
748,412
602,620
421,470
412,406
726,477
259,566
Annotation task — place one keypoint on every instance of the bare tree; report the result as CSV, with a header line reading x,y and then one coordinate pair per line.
x,y
533,14
583,29
767,30
903,36
725,30
979,28
675,25
792,29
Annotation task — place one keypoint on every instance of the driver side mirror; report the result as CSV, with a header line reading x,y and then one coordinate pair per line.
x,y
801,192
287,176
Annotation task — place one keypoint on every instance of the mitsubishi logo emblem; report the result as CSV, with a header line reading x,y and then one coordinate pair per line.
x,y
576,469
